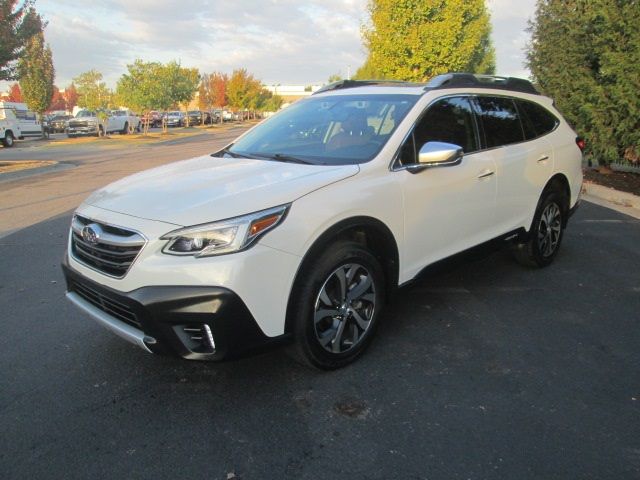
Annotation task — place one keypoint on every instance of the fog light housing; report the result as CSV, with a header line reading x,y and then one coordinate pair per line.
x,y
197,338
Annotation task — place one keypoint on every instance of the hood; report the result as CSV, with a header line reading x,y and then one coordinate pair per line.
x,y
206,189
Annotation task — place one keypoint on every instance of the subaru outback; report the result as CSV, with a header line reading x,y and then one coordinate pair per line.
x,y
300,230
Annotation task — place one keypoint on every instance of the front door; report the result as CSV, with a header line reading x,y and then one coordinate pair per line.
x,y
446,209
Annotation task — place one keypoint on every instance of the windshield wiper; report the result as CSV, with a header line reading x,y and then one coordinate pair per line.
x,y
281,157
233,154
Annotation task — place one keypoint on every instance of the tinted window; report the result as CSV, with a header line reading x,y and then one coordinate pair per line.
x,y
448,120
537,120
500,121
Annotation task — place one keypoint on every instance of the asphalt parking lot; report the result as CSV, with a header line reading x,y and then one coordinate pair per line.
x,y
481,369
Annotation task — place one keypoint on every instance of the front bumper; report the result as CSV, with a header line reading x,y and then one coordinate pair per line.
x,y
91,130
166,319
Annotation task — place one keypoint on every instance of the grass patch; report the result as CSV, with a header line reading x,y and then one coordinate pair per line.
x,y
15,166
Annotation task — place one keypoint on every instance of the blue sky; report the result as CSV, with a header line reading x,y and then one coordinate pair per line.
x,y
280,41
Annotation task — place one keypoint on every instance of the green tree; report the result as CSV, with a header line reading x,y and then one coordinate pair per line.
x,y
17,26
586,55
368,71
37,74
93,93
178,85
417,39
272,103
336,77
140,87
156,86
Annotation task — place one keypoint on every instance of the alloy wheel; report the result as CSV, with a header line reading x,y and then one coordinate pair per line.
x,y
344,308
549,230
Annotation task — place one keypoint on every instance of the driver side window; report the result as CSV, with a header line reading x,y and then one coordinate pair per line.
x,y
449,120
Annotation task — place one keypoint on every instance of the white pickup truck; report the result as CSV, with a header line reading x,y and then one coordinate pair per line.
x,y
87,122
17,122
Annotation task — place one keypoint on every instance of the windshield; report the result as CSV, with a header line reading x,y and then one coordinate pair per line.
x,y
85,113
335,130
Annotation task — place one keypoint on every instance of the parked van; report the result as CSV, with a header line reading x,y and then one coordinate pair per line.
x,y
17,122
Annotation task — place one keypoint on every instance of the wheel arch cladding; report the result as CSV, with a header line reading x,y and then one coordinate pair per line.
x,y
559,182
369,232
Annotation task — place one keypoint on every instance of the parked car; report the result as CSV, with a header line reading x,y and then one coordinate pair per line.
x,y
17,122
174,119
87,122
300,230
216,116
153,117
129,121
227,116
58,123
195,117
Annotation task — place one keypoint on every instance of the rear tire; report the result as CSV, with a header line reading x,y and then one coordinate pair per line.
x,y
547,229
8,140
335,306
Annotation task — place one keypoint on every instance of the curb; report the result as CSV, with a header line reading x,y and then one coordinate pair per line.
x,y
623,202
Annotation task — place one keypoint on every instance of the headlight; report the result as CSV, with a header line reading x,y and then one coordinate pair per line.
x,y
225,236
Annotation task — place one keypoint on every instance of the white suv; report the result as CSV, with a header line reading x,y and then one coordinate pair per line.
x,y
302,228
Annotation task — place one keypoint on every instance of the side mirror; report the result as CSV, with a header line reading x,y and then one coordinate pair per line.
x,y
439,154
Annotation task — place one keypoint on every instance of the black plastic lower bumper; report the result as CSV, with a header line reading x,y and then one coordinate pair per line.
x,y
170,315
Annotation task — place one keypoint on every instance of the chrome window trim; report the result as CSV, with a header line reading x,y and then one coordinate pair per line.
x,y
394,168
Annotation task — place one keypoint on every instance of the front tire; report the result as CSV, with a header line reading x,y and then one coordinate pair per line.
x,y
336,305
546,232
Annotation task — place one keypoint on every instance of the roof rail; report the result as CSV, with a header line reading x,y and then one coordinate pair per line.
x,y
470,80
341,84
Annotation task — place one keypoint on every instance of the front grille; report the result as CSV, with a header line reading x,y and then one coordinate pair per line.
x,y
79,123
108,249
106,304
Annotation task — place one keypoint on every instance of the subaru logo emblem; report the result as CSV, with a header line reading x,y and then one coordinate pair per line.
x,y
90,234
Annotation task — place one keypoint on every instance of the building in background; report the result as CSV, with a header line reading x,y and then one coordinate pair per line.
x,y
291,93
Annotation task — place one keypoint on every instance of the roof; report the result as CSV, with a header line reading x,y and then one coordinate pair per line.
x,y
440,82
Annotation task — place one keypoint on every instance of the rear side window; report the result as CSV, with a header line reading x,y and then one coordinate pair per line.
x,y
537,120
500,121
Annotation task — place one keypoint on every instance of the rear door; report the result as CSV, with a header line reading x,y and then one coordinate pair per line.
x,y
523,165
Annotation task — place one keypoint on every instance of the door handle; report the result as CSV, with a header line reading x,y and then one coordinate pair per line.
x,y
543,158
486,173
